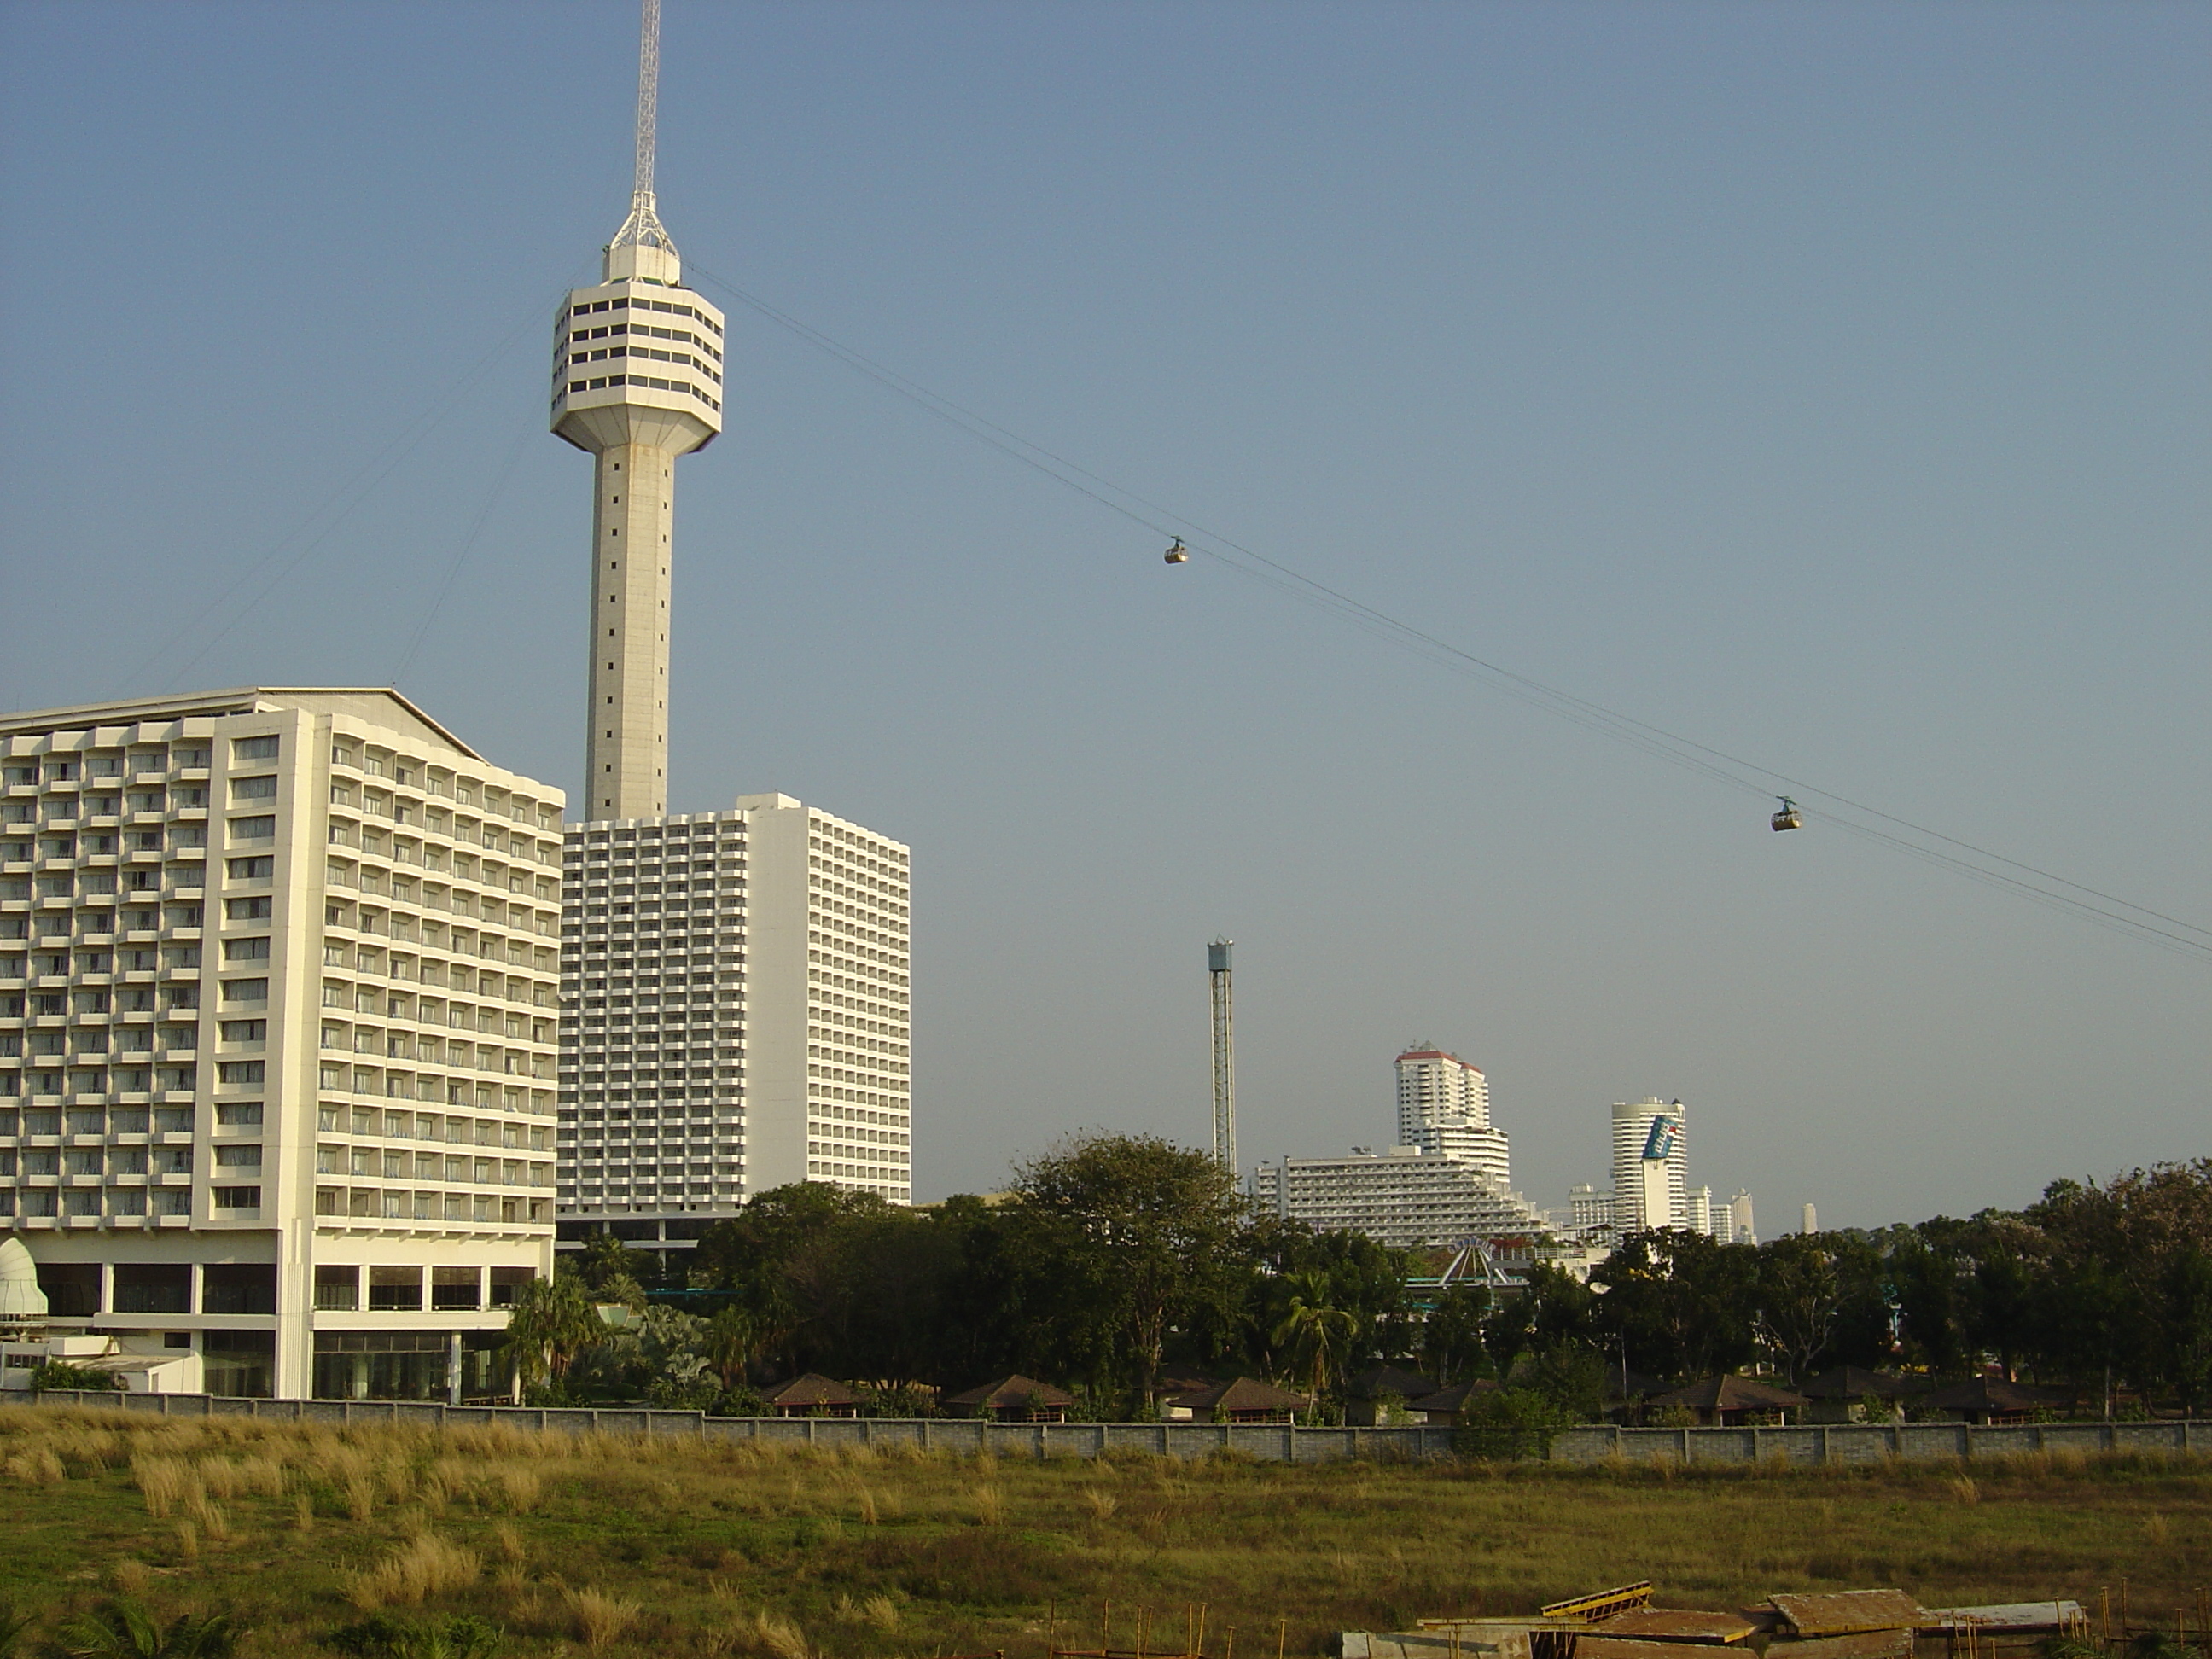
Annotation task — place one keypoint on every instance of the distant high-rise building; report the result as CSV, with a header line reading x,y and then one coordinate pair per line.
x,y
1407,1198
1443,1108
1701,1210
1812,1221
1587,1208
1736,1223
1642,1200
278,995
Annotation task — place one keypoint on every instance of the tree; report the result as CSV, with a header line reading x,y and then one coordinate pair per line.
x,y
1801,1297
1451,1335
1682,1304
1314,1329
551,1322
1141,1237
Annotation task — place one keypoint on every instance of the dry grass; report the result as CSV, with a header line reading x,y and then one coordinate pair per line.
x,y
786,1554
426,1566
600,1619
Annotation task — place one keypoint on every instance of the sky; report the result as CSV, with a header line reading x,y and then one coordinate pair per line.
x,y
1826,383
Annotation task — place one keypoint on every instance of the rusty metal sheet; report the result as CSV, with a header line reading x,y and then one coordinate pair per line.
x,y
1840,1613
1677,1625
1859,1644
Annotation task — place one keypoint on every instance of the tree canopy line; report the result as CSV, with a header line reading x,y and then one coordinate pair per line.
x,y
1117,1263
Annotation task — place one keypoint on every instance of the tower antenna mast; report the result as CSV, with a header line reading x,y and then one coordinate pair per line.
x,y
1225,1056
643,228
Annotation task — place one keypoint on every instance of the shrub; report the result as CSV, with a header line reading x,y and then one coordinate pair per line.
x,y
1510,1423
126,1629
60,1374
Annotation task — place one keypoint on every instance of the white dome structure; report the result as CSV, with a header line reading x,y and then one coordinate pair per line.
x,y
20,1295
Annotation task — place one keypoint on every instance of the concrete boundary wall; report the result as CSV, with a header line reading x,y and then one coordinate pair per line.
x,y
1853,1443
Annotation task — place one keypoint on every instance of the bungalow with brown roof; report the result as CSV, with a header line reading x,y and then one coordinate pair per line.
x,y
811,1395
1368,1394
1445,1405
1243,1400
1842,1393
1990,1399
1730,1402
1015,1399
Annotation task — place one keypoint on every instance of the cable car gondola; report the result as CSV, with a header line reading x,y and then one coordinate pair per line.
x,y
1178,554
1789,817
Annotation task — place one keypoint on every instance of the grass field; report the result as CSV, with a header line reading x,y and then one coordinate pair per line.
x,y
611,1544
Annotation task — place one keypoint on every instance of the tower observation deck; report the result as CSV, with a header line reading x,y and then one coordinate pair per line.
x,y
637,382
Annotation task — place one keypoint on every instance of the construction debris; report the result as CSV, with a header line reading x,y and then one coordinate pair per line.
x,y
2012,1619
1677,1625
1846,1612
1622,1624
1603,1604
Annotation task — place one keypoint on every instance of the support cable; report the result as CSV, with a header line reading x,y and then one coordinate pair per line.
x,y
2106,910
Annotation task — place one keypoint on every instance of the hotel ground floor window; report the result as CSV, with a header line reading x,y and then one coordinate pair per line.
x,y
411,1365
240,1364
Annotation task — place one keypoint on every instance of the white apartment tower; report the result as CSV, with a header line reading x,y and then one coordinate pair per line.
x,y
738,1005
1443,1108
1662,1199
637,381
278,987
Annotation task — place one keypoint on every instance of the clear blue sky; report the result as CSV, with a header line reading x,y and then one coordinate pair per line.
x,y
1829,382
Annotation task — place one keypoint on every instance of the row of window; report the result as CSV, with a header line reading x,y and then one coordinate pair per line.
x,y
429,1125
639,379
463,791
121,1080
36,1202
639,302
372,1203
584,336
77,767
656,355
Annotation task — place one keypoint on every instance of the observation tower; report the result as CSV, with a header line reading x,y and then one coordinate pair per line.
x,y
637,381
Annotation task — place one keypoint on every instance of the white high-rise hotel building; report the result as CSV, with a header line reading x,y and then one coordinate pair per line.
x,y
277,1007
735,983
1443,1108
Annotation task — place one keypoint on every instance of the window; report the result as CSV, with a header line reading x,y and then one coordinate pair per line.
x,y
236,1071
238,1157
253,869
152,1287
248,909
338,1290
456,1289
254,748
235,1113
240,950
260,829
261,788
245,990
237,1198
395,1290
246,1030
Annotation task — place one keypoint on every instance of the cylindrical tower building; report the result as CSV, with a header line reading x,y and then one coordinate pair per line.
x,y
637,381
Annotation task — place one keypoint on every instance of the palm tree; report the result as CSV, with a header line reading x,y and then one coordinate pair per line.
x,y
125,1630
552,1320
733,1337
1315,1328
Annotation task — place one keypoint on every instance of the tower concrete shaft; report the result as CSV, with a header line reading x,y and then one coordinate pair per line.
x,y
626,746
